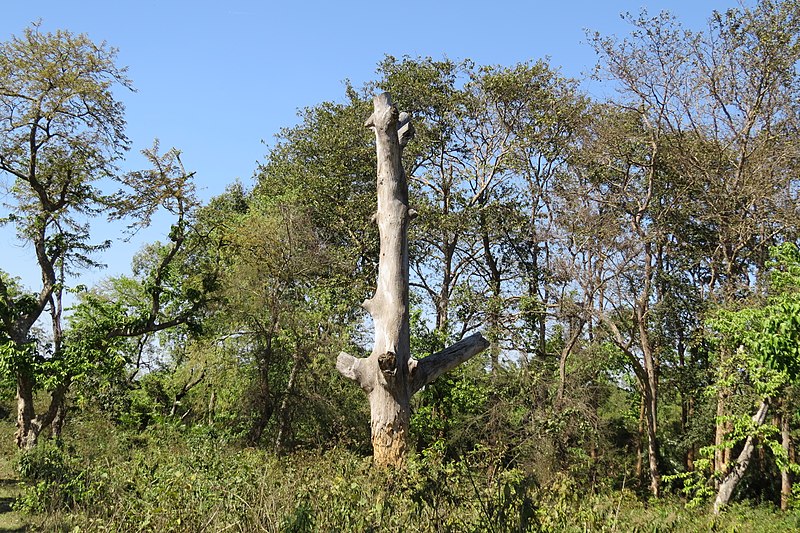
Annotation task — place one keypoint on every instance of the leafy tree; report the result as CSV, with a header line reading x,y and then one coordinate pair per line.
x,y
164,300
766,339
61,132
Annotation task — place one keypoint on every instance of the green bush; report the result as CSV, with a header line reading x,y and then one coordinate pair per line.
x,y
55,479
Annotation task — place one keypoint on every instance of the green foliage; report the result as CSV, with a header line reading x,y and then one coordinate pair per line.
x,y
767,335
55,480
180,479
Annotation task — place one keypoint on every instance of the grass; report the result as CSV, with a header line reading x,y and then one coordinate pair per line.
x,y
10,485
170,478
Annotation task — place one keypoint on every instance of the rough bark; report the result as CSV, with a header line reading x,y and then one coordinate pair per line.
x,y
390,376
26,435
731,480
652,449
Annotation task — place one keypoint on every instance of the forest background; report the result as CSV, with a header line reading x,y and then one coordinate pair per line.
x,y
632,258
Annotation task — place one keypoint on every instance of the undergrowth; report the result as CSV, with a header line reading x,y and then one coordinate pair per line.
x,y
175,479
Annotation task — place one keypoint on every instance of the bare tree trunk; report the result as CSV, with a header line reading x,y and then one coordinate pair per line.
x,y
691,452
649,384
729,483
27,434
652,443
212,403
181,394
390,376
640,442
722,454
574,335
786,475
29,426
59,420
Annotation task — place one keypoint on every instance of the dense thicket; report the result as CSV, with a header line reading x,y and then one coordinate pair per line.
x,y
633,262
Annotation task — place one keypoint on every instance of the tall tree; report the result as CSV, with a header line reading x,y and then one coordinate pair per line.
x,y
61,131
711,107
390,375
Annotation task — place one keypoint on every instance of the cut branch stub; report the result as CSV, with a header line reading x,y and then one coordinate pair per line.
x,y
389,375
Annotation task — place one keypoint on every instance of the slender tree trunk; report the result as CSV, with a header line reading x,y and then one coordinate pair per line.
x,y
283,413
788,448
181,394
264,408
651,404
576,328
640,442
59,420
722,454
443,298
691,453
264,401
389,376
493,314
212,403
729,483
652,444
687,405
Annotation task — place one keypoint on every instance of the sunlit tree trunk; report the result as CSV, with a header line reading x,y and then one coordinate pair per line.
x,y
26,435
737,470
390,376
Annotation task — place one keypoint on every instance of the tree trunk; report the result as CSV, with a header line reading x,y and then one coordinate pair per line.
x,y
640,442
212,403
574,334
59,420
652,443
390,376
27,433
283,412
786,475
722,453
690,453
729,483
30,426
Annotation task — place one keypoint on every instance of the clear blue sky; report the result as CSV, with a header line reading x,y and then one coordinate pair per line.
x,y
215,79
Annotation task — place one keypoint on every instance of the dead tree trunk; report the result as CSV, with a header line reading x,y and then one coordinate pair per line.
x,y
390,376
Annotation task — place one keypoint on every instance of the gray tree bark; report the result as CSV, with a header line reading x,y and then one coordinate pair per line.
x,y
390,376
731,480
